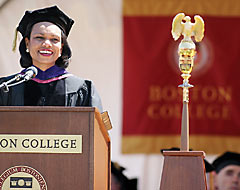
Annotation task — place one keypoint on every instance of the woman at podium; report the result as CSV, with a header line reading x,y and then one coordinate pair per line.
x,y
45,55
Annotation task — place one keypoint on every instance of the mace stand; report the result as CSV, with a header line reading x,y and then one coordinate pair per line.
x,y
183,170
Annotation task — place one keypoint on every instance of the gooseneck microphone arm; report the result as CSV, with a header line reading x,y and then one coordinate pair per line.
x,y
5,85
30,73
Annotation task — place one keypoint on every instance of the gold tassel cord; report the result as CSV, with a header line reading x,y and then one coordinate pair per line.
x,y
15,41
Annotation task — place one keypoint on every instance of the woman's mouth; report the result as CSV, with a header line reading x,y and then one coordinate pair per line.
x,y
45,52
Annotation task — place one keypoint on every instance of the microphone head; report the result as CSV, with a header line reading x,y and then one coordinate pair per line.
x,y
33,69
30,73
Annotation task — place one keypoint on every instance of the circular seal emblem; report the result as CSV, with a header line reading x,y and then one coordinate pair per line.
x,y
22,177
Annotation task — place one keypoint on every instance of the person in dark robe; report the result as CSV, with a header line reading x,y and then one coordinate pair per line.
x,y
44,46
227,168
119,181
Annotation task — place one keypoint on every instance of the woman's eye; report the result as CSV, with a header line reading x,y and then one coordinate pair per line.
x,y
55,40
39,37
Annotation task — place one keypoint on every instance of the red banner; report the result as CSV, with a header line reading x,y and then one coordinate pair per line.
x,y
152,101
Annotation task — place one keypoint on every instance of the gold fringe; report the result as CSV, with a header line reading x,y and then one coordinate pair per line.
x,y
15,41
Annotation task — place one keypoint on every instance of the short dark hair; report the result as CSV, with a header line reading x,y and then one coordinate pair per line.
x,y
26,59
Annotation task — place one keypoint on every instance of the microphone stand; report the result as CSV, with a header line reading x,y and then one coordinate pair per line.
x,y
30,73
5,85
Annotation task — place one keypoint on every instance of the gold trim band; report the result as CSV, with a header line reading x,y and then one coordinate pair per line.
x,y
172,7
153,144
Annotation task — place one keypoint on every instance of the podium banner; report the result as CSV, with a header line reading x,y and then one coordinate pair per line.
x,y
152,101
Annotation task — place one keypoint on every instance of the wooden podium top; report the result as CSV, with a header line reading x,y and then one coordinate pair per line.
x,y
184,153
46,108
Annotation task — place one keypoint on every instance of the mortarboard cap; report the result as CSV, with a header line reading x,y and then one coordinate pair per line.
x,y
50,14
209,167
228,158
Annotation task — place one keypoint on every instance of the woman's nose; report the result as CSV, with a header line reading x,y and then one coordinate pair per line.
x,y
47,43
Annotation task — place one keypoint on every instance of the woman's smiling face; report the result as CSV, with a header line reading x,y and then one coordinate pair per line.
x,y
45,44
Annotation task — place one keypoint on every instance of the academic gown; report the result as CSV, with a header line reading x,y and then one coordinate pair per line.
x,y
53,87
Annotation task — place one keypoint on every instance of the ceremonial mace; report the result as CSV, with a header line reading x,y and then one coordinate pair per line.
x,y
184,169
186,52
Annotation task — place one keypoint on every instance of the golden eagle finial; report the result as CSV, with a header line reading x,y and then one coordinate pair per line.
x,y
187,28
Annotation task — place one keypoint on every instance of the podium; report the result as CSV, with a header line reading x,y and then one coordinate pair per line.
x,y
56,148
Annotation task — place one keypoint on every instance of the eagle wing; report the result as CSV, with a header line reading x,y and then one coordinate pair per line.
x,y
177,26
198,28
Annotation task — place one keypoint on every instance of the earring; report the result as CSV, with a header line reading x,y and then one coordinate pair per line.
x,y
27,50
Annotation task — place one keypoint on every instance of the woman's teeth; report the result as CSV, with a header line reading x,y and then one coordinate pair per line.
x,y
45,52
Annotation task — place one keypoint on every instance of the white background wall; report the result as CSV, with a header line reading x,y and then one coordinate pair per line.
x,y
96,42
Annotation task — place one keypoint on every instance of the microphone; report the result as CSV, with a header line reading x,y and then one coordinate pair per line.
x,y
30,73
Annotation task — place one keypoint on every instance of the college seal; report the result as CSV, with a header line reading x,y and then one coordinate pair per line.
x,y
22,177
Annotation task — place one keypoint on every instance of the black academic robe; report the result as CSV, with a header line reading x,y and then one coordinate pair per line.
x,y
70,91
